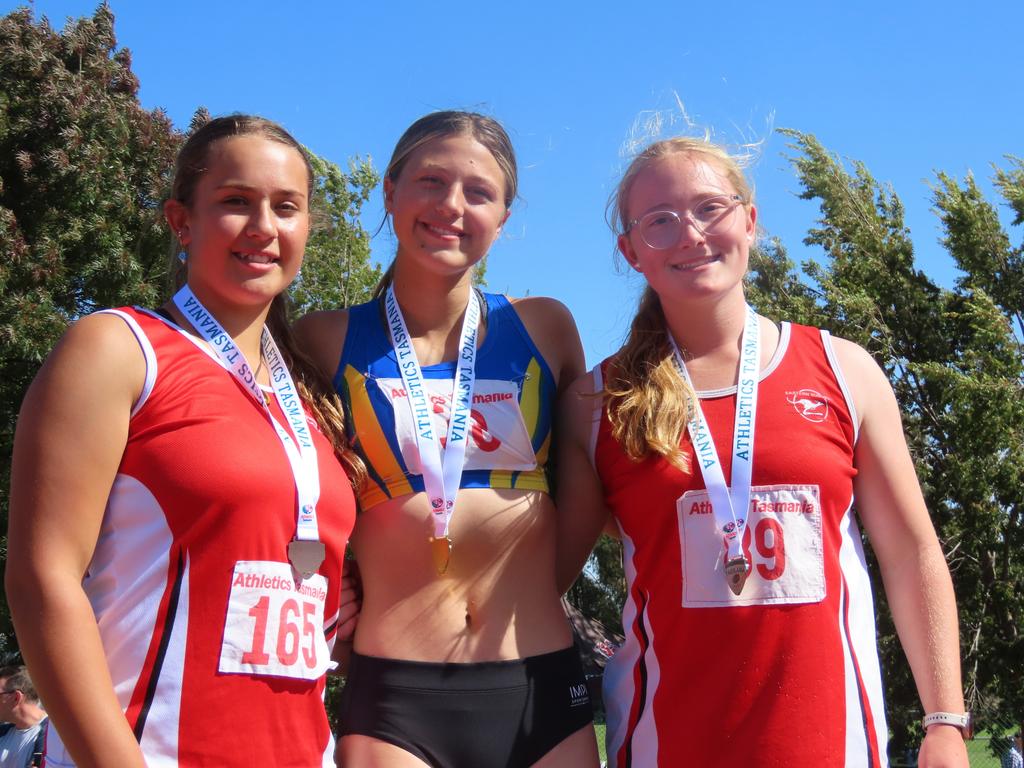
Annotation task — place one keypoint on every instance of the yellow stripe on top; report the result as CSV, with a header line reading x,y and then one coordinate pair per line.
x,y
374,444
529,405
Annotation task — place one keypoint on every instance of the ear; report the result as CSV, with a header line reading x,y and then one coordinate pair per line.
x,y
752,223
626,249
389,194
178,219
502,222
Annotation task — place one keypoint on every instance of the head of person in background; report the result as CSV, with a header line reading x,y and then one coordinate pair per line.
x,y
19,702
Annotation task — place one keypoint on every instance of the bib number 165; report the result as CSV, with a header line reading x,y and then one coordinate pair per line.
x,y
274,625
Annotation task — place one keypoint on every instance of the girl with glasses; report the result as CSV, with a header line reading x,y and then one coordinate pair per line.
x,y
463,655
178,510
727,452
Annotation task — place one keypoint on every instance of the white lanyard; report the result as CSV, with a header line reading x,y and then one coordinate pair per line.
x,y
441,467
730,503
301,452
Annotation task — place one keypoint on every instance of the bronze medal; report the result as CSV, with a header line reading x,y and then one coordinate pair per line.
x,y
441,551
736,571
306,556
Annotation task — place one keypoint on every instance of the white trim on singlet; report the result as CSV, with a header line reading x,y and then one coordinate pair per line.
x,y
837,371
618,683
857,612
768,370
196,341
148,354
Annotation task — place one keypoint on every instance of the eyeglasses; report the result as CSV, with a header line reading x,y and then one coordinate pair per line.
x,y
5,693
664,229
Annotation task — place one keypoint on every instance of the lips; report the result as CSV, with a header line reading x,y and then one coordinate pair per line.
x,y
442,230
695,263
256,258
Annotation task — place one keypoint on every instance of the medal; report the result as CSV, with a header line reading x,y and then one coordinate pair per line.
x,y
306,556
441,552
306,551
440,464
730,502
736,571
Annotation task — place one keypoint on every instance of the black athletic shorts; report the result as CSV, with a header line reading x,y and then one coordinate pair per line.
x,y
495,714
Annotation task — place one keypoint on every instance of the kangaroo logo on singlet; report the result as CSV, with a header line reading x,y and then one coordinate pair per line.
x,y
810,404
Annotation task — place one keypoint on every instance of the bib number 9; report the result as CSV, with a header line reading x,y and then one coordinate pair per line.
x,y
782,540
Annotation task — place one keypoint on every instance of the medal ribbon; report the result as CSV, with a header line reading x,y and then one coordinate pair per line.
x,y
301,452
441,467
730,503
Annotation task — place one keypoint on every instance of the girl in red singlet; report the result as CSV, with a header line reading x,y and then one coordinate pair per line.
x,y
726,451
178,510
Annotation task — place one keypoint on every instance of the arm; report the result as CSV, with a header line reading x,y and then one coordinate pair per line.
x,y
70,438
914,571
582,513
321,336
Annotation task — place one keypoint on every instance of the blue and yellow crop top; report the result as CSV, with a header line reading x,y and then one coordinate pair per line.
x,y
513,399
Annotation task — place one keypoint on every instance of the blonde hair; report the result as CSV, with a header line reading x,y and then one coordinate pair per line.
x,y
649,403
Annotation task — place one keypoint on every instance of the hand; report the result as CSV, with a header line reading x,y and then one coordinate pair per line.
x,y
351,597
943,747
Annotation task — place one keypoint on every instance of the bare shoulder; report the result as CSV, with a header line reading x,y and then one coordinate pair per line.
x,y
553,330
99,347
869,387
321,335
543,310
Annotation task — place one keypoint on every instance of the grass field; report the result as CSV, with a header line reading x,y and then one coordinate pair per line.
x,y
977,750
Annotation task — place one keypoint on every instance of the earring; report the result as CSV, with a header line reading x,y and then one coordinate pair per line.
x,y
182,254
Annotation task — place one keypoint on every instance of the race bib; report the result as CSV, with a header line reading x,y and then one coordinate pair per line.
x,y
275,625
782,540
498,436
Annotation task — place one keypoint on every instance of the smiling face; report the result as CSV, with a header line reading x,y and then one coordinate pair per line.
x,y
698,266
447,205
246,224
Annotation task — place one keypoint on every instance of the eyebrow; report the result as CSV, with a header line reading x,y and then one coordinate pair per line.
x,y
229,184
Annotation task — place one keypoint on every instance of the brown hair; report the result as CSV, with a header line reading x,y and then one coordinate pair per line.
x,y
315,390
440,125
649,403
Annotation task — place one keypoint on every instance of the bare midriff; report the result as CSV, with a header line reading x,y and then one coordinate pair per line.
x,y
498,598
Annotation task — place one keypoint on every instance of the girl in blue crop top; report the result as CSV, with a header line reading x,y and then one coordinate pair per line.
x,y
462,654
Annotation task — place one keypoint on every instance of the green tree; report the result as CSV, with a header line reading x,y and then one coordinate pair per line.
x,y
955,365
337,271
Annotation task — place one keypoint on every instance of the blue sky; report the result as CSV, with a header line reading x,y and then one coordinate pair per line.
x,y
907,87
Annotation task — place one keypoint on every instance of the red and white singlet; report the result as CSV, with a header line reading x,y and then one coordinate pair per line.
x,y
216,652
785,674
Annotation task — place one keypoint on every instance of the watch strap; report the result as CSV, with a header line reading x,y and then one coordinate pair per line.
x,y
960,720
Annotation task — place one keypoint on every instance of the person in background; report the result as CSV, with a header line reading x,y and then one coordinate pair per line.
x,y
727,451
1012,757
179,512
24,720
463,655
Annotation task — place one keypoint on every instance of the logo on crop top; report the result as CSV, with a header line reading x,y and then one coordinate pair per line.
x,y
498,437
810,404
